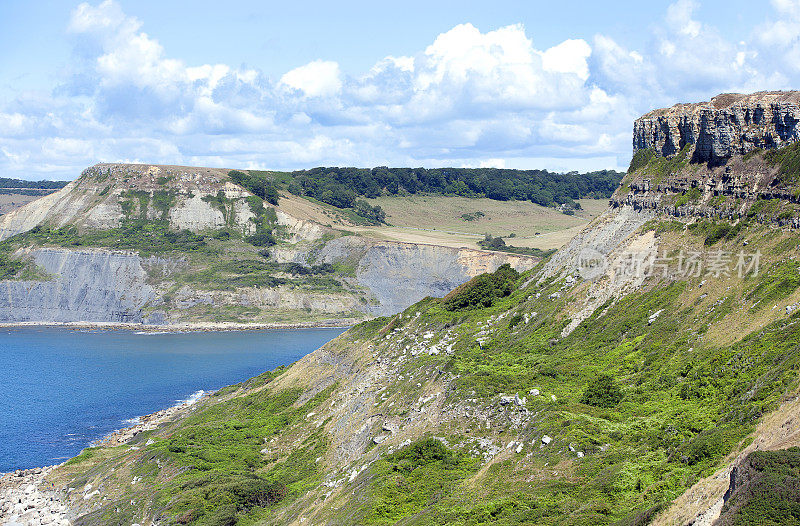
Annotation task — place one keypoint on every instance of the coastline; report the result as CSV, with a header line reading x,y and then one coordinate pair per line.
x,y
150,421
343,323
27,497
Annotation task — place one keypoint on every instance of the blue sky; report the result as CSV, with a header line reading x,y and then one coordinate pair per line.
x,y
287,85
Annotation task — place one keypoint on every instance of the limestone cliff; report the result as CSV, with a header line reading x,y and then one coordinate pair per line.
x,y
729,124
731,158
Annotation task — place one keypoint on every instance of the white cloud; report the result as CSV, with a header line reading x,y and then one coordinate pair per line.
x,y
568,57
468,98
320,78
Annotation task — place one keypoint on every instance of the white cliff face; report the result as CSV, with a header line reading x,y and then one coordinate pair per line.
x,y
195,214
299,229
95,199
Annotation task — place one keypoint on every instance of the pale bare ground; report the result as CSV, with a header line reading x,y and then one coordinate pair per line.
x,y
436,220
310,211
9,202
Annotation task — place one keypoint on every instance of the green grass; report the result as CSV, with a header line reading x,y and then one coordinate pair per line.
x,y
656,167
415,479
670,404
218,474
788,161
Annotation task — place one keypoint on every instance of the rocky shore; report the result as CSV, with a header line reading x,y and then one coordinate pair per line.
x,y
151,421
27,499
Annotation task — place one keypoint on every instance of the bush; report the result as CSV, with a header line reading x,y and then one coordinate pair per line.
x,y
492,243
602,391
482,290
421,453
374,214
261,239
707,445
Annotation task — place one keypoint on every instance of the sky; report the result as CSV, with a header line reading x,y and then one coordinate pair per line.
x,y
292,85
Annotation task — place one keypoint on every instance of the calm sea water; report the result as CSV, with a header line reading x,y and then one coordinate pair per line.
x,y
60,389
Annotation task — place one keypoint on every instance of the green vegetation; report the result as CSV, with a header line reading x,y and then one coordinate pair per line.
x,y
373,214
230,274
691,196
768,490
657,167
340,187
266,222
641,158
222,478
414,479
499,245
715,231
257,183
788,160
602,391
779,280
472,216
652,404
481,291
145,236
9,267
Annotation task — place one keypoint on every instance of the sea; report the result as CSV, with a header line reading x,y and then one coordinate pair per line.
x,y
61,389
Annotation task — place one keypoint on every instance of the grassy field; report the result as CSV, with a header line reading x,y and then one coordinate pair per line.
x,y
440,219
437,220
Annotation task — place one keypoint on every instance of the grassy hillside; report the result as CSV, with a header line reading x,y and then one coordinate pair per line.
x,y
481,409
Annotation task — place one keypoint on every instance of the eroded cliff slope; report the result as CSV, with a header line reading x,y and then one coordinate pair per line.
x,y
224,255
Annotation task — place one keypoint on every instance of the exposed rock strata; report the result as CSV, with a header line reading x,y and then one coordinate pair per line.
x,y
97,285
86,285
727,125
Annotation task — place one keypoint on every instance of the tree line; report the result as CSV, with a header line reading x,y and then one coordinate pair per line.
x,y
342,186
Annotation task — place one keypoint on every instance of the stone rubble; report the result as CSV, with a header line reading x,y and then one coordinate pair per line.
x,y
25,500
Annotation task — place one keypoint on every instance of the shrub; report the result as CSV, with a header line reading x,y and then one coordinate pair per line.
x,y
421,453
704,446
482,290
602,391
492,243
261,239
373,214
